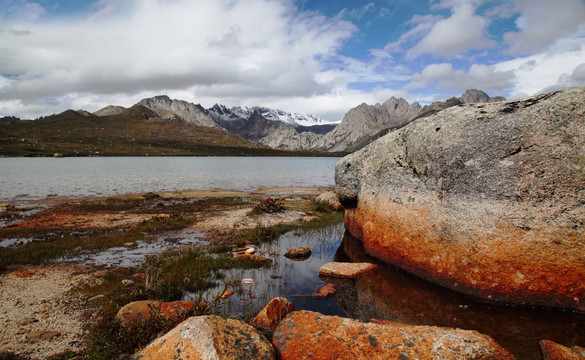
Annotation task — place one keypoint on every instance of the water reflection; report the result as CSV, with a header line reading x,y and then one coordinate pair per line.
x,y
389,293
291,279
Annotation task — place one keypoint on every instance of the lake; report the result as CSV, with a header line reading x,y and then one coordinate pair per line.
x,y
24,179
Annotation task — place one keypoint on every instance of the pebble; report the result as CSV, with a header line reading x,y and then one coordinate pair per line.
x,y
43,335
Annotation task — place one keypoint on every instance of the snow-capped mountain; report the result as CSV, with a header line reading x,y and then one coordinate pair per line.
x,y
238,112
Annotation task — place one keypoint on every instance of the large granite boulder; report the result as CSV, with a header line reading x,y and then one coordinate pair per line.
x,y
486,199
310,335
207,338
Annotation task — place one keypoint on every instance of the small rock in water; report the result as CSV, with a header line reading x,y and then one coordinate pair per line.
x,y
325,291
303,252
226,294
345,270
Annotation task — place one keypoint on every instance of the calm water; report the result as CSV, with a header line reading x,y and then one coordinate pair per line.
x,y
39,178
291,279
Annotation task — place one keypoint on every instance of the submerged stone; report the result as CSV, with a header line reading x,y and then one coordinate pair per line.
x,y
303,252
345,270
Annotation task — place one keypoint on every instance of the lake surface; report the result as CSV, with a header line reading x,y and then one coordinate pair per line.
x,y
24,179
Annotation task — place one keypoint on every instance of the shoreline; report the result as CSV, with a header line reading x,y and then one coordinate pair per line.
x,y
42,306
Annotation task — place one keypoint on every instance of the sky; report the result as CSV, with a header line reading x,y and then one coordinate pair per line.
x,y
318,57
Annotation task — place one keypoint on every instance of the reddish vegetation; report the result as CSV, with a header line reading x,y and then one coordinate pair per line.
x,y
493,265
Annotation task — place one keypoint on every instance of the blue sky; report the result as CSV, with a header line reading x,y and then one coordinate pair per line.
x,y
310,56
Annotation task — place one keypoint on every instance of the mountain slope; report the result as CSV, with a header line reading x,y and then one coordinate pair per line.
x,y
271,132
366,123
223,113
136,131
178,109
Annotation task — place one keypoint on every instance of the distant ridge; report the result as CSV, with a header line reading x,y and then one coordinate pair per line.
x,y
366,123
247,127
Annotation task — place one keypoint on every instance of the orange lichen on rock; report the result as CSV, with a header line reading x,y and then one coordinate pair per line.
x,y
503,263
271,315
141,310
209,337
310,335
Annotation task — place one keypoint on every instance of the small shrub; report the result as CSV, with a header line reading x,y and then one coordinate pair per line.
x,y
268,206
321,207
150,195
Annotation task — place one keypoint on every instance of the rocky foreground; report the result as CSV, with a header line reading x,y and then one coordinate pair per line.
x,y
310,335
280,332
486,199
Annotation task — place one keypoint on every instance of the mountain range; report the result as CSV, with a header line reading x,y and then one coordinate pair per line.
x,y
163,126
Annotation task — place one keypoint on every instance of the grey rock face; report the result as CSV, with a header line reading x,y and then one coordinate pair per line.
x,y
273,133
472,96
110,110
487,199
365,121
178,110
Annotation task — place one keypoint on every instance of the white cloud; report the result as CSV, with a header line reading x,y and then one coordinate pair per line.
x,y
547,69
542,22
22,10
421,25
444,76
253,48
359,13
456,35
576,78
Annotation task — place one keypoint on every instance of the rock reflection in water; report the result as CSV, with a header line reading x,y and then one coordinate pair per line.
x,y
391,294
291,279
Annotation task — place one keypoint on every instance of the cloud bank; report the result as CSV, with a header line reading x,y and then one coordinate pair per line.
x,y
281,53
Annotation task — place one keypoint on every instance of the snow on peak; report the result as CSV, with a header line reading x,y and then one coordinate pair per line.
x,y
244,112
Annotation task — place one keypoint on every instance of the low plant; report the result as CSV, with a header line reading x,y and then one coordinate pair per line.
x,y
268,205
109,339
